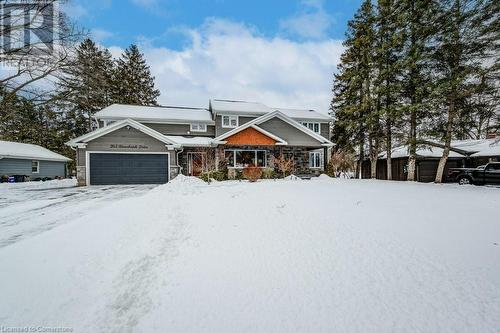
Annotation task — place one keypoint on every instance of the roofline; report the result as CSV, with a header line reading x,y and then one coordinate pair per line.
x,y
270,115
115,126
37,158
160,120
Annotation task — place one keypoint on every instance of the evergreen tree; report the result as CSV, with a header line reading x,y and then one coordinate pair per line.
x,y
416,21
86,86
134,83
462,52
389,43
352,105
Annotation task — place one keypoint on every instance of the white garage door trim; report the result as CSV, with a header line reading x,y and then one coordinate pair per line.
x,y
87,160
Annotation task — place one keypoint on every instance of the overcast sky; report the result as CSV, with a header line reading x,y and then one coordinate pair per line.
x,y
282,53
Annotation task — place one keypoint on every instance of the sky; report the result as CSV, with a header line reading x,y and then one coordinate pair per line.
x,y
282,53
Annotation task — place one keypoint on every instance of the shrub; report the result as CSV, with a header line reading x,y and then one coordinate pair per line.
x,y
269,173
252,173
285,165
216,175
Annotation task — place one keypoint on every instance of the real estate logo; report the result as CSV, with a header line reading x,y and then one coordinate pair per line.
x,y
28,29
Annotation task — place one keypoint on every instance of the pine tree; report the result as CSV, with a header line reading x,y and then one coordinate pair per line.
x,y
389,43
86,86
466,43
134,83
416,21
352,105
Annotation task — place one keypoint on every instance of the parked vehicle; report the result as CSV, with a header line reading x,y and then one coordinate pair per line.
x,y
484,174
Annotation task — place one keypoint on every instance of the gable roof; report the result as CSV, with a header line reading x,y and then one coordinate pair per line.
x,y
175,114
117,125
221,106
276,114
9,149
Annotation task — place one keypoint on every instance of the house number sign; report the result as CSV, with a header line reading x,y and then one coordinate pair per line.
x,y
133,146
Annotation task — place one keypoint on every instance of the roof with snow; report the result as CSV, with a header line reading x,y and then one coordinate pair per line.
x,y
9,149
197,141
255,108
474,148
155,113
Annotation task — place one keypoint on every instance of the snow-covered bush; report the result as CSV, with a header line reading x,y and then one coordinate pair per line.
x,y
269,173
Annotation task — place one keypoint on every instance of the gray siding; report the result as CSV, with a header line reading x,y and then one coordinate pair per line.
x,y
180,129
127,138
51,169
131,140
325,130
287,132
219,130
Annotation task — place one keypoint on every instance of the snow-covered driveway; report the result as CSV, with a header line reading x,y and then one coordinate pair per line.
x,y
275,256
27,209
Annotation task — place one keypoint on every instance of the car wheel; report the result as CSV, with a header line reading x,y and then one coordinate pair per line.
x,y
464,181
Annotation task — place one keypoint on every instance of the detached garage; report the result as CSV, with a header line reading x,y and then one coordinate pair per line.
x,y
125,152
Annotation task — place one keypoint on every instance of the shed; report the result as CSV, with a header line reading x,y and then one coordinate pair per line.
x,y
31,160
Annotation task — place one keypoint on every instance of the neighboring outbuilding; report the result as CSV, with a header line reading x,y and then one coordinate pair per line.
x,y
465,153
28,160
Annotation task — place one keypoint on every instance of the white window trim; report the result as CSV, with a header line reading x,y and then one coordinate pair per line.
x,y
37,167
197,128
229,116
306,124
254,150
312,153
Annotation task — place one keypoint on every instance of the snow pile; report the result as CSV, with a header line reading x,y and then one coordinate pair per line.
x,y
57,183
356,256
292,177
324,176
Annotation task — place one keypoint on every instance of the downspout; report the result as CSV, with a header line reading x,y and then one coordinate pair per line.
x,y
178,166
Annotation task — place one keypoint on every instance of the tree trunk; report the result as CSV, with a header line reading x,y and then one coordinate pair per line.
x,y
373,157
447,143
360,161
412,158
389,149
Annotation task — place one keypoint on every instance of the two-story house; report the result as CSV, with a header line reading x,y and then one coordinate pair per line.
x,y
153,144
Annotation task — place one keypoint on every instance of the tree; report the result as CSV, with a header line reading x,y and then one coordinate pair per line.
x,y
416,21
387,81
134,83
464,49
86,86
352,105
26,65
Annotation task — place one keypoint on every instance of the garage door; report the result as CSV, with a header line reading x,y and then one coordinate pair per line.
x,y
110,169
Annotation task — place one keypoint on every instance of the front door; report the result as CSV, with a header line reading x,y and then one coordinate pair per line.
x,y
195,163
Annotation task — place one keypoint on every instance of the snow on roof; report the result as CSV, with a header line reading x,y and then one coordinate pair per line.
x,y
196,141
242,107
10,149
476,148
422,151
155,113
484,147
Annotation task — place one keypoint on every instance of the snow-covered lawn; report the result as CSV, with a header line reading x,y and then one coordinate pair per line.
x,y
27,209
275,256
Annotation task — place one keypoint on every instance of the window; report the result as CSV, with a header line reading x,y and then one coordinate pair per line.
x,y
35,166
229,121
315,127
244,158
197,127
315,159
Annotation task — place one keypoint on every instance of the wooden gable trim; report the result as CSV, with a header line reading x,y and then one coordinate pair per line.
x,y
250,137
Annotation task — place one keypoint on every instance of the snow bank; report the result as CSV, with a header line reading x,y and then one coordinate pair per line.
x,y
292,177
57,183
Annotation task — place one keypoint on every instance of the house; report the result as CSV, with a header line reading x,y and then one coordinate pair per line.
x,y
464,153
152,144
35,162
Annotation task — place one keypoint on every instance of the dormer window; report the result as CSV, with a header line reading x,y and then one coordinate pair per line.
x,y
197,127
229,121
